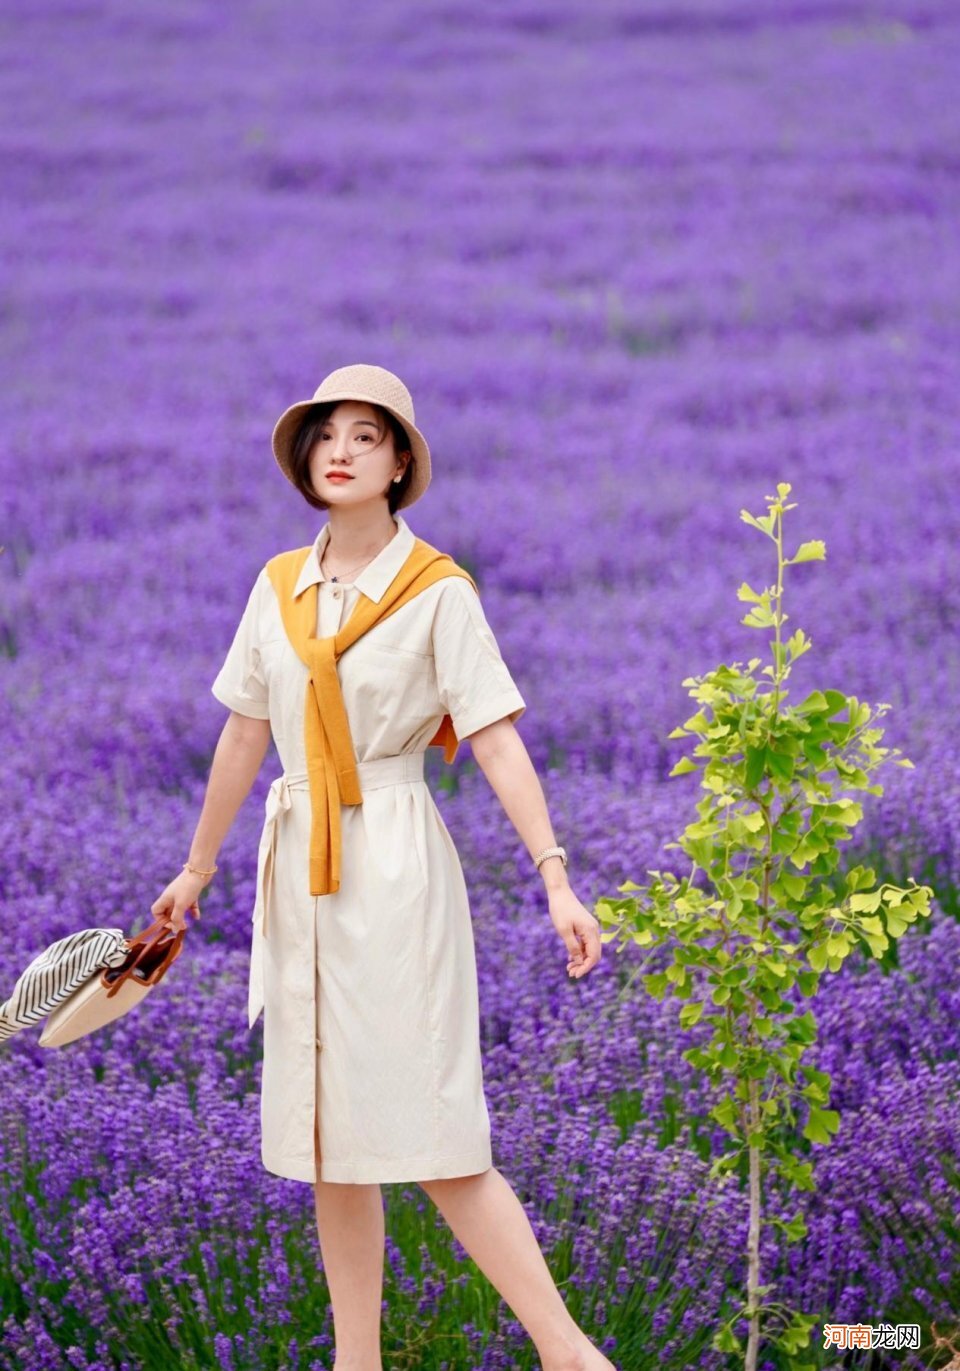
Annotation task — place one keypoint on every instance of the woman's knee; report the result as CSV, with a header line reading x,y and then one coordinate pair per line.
x,y
441,1184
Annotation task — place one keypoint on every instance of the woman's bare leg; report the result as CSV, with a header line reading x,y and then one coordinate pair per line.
x,y
350,1226
491,1223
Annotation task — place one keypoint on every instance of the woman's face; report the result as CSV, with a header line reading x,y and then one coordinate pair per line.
x,y
355,442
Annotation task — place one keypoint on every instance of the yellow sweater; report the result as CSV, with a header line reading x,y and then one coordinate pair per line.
x,y
331,759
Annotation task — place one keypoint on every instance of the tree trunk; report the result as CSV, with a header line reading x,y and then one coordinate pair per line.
x,y
753,1236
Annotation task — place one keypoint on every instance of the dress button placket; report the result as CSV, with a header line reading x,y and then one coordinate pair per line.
x,y
324,630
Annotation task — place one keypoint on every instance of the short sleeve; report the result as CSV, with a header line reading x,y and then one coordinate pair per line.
x,y
240,683
474,683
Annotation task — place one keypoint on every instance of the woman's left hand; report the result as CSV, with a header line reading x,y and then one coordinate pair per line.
x,y
578,929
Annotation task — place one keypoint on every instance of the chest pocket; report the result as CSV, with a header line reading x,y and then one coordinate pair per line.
x,y
385,684
278,660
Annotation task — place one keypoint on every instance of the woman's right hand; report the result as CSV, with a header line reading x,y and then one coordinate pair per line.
x,y
180,897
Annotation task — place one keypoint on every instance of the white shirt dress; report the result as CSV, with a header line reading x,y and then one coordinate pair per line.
x,y
371,1023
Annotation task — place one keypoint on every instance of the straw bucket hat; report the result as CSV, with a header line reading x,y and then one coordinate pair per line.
x,y
377,386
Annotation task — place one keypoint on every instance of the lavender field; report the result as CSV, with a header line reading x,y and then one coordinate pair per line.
x,y
637,263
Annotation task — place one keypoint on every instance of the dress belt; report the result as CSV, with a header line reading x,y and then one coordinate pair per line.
x,y
373,775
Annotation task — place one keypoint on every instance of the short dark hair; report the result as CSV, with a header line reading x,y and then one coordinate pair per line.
x,y
309,431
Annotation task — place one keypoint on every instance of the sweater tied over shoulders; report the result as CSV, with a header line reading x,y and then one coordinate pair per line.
x,y
331,757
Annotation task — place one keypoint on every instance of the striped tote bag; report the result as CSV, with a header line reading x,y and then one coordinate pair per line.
x,y
86,980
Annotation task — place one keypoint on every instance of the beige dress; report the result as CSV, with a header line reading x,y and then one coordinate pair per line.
x,y
369,994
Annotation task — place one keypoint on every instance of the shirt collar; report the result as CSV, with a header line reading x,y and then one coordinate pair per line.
x,y
376,576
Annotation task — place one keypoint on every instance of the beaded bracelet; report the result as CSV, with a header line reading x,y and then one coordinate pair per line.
x,y
550,852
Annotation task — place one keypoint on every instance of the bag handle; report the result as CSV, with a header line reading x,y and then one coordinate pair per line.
x,y
140,946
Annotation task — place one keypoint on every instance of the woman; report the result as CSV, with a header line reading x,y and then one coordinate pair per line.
x,y
363,953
